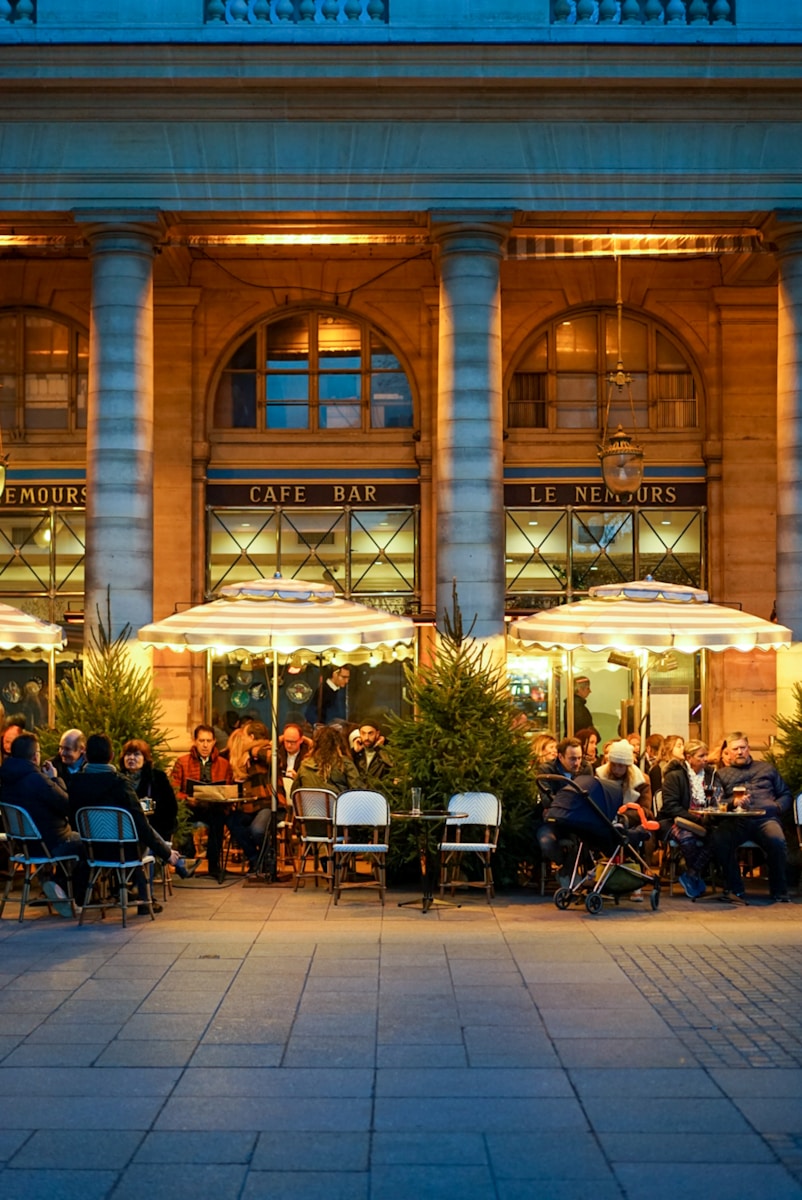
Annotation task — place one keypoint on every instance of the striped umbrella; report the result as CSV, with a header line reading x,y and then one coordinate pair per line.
x,y
20,631
284,616
647,615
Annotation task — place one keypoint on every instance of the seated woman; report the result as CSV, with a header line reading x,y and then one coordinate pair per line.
x,y
620,766
250,825
151,786
589,739
686,784
329,765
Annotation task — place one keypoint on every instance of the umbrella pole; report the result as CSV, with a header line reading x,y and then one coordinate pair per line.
x,y
51,688
274,768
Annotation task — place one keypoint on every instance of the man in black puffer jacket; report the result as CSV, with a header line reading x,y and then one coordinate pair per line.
x,y
768,792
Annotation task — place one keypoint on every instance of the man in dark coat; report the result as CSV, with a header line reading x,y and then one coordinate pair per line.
x,y
767,794
34,787
583,717
374,761
100,785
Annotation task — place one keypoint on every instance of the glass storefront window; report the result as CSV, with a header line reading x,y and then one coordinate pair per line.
x,y
367,554
42,561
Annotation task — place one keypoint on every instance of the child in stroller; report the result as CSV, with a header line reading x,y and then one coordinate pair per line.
x,y
610,836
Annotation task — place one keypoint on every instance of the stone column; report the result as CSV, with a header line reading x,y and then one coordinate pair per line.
x,y
469,428
789,430
119,436
788,238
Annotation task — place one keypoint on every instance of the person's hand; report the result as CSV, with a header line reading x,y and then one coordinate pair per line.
x,y
175,857
48,769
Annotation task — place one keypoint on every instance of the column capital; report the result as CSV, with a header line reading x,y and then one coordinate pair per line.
x,y
471,230
132,229
785,231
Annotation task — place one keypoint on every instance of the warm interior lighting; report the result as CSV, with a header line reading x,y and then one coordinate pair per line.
x,y
300,239
562,244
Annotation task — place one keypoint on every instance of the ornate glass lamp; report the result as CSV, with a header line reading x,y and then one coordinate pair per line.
x,y
621,457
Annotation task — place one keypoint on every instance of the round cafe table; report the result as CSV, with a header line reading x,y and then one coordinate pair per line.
x,y
428,821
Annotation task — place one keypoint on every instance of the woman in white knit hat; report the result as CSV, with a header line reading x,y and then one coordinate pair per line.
x,y
620,766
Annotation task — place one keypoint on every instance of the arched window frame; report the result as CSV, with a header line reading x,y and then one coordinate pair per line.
x,y
538,391
259,330
17,413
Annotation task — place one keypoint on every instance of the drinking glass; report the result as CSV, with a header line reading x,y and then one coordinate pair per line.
x,y
415,795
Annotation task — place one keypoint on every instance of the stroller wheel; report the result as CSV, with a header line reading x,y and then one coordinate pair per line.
x,y
654,899
594,902
563,898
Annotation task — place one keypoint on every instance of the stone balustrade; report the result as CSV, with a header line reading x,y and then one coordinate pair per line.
x,y
643,12
18,12
276,12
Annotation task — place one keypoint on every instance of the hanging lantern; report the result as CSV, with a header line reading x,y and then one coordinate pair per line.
x,y
620,456
621,463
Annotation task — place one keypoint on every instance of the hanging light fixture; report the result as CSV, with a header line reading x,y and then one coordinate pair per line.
x,y
620,456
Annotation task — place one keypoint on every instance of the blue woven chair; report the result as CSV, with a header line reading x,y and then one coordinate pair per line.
x,y
361,829
483,818
113,854
27,850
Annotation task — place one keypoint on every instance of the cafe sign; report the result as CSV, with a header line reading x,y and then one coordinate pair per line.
x,y
596,495
44,495
313,495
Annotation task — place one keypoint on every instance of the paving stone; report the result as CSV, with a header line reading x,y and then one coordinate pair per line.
x,y
718,1181
11,1140
481,1083
57,1185
222,1082
663,1117
693,1147
301,1185
245,1054
454,1114
432,1182
38,1054
137,1053
650,1082
61,1150
308,1151
223,1181
210,1147
520,1156
437,1149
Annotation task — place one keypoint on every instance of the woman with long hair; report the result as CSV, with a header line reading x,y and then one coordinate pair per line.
x,y
544,752
329,765
672,750
589,739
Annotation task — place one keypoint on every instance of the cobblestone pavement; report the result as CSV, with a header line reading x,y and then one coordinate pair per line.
x,y
255,1042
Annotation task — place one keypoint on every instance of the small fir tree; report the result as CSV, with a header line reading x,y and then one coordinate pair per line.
x,y
112,696
787,752
463,738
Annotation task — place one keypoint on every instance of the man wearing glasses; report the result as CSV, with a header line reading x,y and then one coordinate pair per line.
x,y
767,794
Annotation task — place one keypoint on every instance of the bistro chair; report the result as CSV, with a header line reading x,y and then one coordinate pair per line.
x,y
27,850
314,812
483,814
361,831
114,857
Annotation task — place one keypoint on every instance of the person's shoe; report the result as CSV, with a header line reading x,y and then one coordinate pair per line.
x,y
142,910
701,887
637,896
57,897
182,870
735,898
689,885
780,898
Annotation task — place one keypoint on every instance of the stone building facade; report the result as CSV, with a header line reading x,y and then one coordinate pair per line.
x,y
335,287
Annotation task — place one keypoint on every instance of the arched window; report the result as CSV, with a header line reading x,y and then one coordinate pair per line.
x,y
560,381
313,371
43,373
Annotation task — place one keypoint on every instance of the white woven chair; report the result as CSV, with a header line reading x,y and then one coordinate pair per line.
x,y
483,813
113,854
361,830
27,850
313,814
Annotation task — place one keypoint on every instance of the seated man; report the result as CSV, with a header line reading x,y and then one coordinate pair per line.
x,y
34,786
71,755
203,764
767,792
374,761
100,785
558,846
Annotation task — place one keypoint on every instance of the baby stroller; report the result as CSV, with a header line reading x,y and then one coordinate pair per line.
x,y
610,835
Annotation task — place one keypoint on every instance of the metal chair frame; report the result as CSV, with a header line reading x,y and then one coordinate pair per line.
x,y
28,850
484,811
357,812
113,853
314,810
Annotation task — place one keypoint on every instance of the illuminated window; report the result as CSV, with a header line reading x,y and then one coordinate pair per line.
x,y
560,382
316,371
43,374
